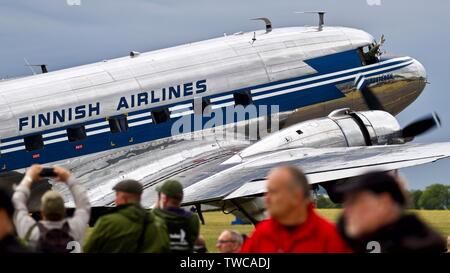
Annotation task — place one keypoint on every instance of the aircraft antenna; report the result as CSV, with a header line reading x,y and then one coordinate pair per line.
x,y
30,66
266,21
254,38
321,17
42,66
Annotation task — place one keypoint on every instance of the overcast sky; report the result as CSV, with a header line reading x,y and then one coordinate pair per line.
x,y
61,35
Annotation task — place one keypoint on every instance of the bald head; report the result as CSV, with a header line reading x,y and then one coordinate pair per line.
x,y
229,241
291,176
288,195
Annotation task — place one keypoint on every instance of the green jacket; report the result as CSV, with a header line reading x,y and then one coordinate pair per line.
x,y
183,228
120,232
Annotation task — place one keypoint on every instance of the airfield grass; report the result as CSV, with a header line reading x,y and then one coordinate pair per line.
x,y
216,222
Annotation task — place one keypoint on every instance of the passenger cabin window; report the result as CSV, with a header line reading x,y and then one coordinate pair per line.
x,y
33,142
242,98
76,133
160,115
118,124
369,54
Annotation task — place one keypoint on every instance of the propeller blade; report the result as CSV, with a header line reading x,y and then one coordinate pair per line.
x,y
421,126
369,97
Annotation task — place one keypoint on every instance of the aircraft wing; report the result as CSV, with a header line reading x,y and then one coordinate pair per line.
x,y
198,166
319,164
149,163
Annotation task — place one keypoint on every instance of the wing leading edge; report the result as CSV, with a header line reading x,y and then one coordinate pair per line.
x,y
319,164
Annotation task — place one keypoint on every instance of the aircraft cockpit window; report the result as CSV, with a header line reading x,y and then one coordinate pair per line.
x,y
33,142
76,133
118,124
160,115
369,54
242,98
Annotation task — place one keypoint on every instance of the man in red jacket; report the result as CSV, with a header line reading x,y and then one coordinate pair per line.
x,y
293,225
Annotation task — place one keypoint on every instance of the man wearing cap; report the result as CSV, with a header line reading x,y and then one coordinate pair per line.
x,y
374,218
183,226
128,228
53,212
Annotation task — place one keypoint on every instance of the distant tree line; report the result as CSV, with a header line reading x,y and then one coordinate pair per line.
x,y
434,197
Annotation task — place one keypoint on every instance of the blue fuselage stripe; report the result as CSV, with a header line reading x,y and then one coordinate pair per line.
x,y
140,133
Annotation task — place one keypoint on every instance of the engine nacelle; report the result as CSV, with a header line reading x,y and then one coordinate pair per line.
x,y
341,128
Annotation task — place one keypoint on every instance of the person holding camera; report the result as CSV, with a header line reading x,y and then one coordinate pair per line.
x,y
55,232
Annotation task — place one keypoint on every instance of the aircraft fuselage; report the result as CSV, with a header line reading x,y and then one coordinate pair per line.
x,y
116,103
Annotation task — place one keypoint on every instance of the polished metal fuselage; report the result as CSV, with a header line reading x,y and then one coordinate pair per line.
x,y
234,62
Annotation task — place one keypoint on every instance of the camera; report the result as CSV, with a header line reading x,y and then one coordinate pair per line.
x,y
48,172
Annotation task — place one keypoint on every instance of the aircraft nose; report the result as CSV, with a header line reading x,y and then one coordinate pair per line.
x,y
419,70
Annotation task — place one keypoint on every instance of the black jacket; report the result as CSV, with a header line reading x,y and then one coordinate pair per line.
x,y
10,244
407,234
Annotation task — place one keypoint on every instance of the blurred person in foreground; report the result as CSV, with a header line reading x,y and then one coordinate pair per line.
x,y
8,240
448,244
128,228
375,218
200,245
55,232
183,225
293,225
229,241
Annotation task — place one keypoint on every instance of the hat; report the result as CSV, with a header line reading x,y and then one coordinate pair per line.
x,y
129,186
52,205
172,189
376,182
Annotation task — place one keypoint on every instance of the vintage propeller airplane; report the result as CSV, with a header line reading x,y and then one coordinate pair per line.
x,y
115,119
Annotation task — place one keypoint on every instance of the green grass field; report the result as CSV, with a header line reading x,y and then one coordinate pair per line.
x,y
217,221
